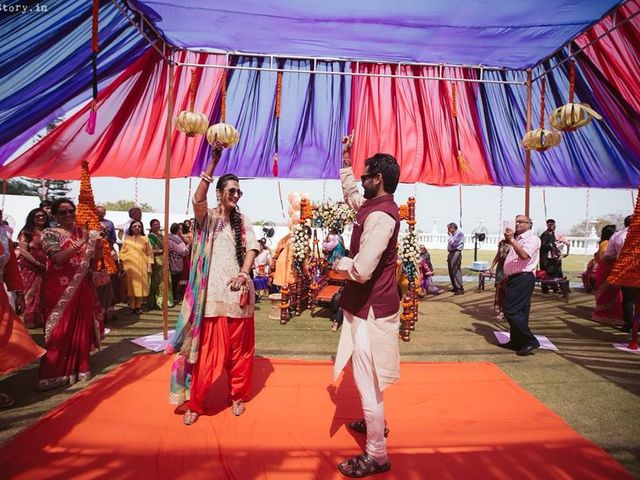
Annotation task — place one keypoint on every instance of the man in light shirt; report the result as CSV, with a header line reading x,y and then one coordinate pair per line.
x,y
370,302
518,268
628,293
455,245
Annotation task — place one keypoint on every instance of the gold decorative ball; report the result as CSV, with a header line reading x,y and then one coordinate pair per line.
x,y
192,123
224,133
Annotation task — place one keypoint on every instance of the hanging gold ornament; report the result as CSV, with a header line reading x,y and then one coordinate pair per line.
x,y
192,123
541,139
224,133
189,122
572,116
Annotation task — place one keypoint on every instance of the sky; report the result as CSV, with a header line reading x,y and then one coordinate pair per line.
x,y
436,206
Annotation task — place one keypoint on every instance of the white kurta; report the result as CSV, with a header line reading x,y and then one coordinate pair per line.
x,y
383,332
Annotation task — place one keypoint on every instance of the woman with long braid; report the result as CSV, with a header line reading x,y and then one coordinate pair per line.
x,y
215,328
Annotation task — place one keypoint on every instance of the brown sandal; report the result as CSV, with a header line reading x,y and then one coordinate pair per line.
x,y
361,427
190,417
362,466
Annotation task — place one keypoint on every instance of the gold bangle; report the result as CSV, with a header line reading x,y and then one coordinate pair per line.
x,y
206,178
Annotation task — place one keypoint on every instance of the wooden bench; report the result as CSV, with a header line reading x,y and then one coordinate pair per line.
x,y
561,283
483,277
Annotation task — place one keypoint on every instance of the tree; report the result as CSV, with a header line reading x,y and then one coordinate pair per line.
x,y
48,189
125,205
20,187
616,219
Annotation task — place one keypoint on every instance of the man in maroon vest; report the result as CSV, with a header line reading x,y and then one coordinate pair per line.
x,y
370,302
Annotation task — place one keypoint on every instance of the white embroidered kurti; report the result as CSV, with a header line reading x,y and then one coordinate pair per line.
x,y
221,300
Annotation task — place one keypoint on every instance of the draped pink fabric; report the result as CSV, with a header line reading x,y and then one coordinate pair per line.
x,y
413,120
129,138
617,54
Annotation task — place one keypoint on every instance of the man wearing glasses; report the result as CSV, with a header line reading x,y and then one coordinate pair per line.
x,y
370,302
518,268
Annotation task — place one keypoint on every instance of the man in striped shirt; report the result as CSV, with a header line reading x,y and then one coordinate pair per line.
x,y
519,267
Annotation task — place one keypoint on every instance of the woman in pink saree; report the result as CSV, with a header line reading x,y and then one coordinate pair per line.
x,y
608,297
33,263
71,307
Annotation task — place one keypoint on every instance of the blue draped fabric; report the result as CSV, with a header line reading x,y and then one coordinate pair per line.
x,y
45,62
314,115
590,156
509,33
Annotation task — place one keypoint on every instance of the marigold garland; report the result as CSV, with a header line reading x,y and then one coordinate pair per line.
x,y
223,98
86,214
626,269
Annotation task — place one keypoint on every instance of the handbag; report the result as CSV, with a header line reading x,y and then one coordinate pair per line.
x,y
244,296
100,277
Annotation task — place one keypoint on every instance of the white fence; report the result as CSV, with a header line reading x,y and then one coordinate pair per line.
x,y
438,241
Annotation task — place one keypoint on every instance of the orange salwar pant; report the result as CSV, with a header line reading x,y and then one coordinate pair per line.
x,y
225,343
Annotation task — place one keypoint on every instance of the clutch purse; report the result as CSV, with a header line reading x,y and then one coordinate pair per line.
x,y
244,296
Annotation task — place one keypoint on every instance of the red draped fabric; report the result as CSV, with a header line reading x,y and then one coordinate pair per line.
x,y
129,138
413,120
617,54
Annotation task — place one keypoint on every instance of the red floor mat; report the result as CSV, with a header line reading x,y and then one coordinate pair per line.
x,y
447,420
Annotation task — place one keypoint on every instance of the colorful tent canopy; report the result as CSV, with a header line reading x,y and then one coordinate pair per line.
x,y
410,118
513,33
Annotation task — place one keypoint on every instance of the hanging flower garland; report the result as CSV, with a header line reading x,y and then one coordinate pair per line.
x,y
328,215
301,244
408,252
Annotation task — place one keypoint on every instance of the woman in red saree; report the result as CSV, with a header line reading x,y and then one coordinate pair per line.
x,y
33,263
608,297
16,346
71,307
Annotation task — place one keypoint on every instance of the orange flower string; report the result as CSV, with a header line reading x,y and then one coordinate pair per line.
x,y
572,81
278,94
192,90
223,98
453,100
542,89
94,26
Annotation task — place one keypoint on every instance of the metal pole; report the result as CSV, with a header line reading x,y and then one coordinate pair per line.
x,y
167,185
527,152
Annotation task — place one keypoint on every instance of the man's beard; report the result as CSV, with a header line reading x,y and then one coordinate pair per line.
x,y
369,192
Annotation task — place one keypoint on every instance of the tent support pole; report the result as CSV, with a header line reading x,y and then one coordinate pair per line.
x,y
527,152
167,185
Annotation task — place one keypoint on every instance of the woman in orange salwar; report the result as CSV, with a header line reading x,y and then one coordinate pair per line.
x,y
16,346
215,329
71,307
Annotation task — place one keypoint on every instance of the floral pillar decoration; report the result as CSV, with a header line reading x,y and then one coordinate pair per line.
x,y
86,214
409,257
626,269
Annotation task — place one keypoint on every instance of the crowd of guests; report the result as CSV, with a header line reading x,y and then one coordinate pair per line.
x,y
57,280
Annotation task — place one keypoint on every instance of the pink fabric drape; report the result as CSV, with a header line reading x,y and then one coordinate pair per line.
x,y
129,138
617,55
413,120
